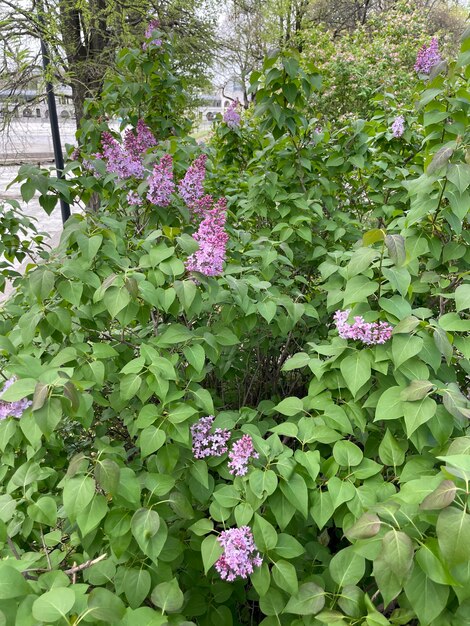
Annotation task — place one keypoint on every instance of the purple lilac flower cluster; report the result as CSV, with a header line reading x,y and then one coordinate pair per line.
x,y
12,409
118,161
126,160
135,144
428,57
191,187
231,116
240,454
152,25
370,333
161,184
398,126
240,555
212,239
206,443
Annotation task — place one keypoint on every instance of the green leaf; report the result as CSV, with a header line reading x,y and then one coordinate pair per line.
x,y
295,490
452,322
19,390
440,498
168,596
136,584
430,561
130,385
42,283
211,550
397,552
418,413
443,344
373,236
390,405
347,454
386,580
115,299
285,576
71,291
44,511
309,600
78,493
396,249
299,360
105,606
368,525
12,583
391,452
107,474
356,370
404,347
453,535
151,439
347,567
195,356
261,579
358,289
290,406
264,533
54,604
462,297
427,598
148,531
267,309
89,518
459,174
262,483
416,390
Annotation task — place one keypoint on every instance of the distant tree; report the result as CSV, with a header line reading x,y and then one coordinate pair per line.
x,y
83,37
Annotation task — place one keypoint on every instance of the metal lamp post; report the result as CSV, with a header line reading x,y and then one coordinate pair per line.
x,y
53,119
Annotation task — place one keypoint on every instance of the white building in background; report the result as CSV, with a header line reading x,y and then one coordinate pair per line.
x,y
27,136
26,104
217,103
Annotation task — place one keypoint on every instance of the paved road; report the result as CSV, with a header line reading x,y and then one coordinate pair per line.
x,y
50,224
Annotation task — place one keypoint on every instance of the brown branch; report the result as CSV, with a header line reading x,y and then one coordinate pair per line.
x,y
78,568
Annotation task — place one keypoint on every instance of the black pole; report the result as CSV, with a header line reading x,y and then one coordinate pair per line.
x,y
54,121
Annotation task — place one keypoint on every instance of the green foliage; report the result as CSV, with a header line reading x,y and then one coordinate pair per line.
x,y
376,57
358,500
19,239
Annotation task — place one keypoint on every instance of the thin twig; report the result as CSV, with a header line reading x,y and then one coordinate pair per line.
x,y
78,568
49,565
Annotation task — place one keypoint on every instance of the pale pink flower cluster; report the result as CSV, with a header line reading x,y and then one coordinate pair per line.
x,y
240,454
231,116
206,443
370,333
161,184
240,555
12,409
212,239
398,126
428,57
